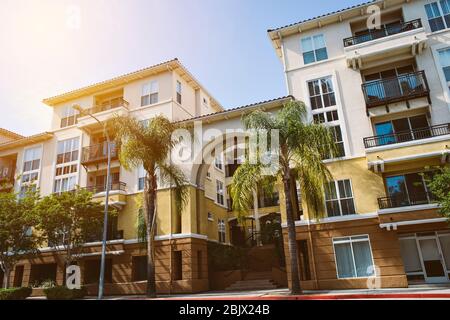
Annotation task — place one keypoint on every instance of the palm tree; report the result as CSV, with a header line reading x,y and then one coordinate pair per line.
x,y
149,144
302,147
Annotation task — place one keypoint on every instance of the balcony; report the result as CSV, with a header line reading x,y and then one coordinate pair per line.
x,y
103,112
115,186
405,136
402,200
389,30
396,89
98,153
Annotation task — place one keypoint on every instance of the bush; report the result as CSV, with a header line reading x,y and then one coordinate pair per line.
x,y
64,293
15,293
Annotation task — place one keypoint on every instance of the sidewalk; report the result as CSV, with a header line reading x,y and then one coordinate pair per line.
x,y
413,292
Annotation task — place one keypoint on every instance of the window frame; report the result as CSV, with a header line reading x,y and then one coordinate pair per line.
x,y
442,15
313,47
220,192
339,198
221,230
179,92
58,179
152,93
351,240
31,183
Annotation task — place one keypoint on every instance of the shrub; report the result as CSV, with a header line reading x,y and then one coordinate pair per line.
x,y
15,293
64,293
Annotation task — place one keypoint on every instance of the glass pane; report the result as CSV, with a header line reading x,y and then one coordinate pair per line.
x,y
345,190
445,5
385,132
319,41
416,188
308,57
432,10
329,100
445,246
333,208
410,255
330,191
348,207
321,54
444,57
344,260
307,45
396,187
363,259
419,122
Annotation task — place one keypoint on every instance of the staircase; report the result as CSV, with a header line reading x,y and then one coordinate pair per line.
x,y
254,281
258,275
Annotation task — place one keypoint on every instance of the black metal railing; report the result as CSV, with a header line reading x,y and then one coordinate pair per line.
x,y
402,200
386,31
98,152
395,89
107,105
405,136
114,186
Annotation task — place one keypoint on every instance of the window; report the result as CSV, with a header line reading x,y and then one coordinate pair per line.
x,y
401,130
66,165
338,140
220,192
321,93
31,168
438,14
208,175
141,178
444,57
314,49
149,93
221,230
353,257
69,117
177,265
339,198
408,189
210,216
218,163
179,92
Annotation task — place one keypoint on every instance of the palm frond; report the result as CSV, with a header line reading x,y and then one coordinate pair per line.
x,y
172,175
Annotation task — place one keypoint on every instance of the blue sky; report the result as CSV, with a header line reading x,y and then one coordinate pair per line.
x,y
46,51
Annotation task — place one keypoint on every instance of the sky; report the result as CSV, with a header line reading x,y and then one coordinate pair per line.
x,y
49,47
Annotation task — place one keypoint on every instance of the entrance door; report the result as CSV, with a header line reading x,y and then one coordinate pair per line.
x,y
432,260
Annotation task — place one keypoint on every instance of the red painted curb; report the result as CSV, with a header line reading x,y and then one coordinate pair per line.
x,y
328,297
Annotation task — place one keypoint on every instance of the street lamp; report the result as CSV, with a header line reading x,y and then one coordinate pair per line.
x,y
105,218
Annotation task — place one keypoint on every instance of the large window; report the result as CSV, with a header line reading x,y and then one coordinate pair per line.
x,y
401,130
220,192
66,165
408,189
141,178
339,198
444,57
69,117
314,49
438,14
31,168
150,93
353,257
221,230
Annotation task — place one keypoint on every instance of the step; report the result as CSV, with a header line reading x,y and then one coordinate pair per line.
x,y
258,275
259,284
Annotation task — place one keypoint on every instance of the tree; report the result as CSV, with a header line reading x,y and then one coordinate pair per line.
x,y
17,217
439,185
69,220
302,147
149,144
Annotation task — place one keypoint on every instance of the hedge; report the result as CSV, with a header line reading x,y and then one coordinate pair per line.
x,y
15,293
64,293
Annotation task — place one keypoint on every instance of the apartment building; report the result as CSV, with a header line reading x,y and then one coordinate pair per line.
x,y
385,92
74,153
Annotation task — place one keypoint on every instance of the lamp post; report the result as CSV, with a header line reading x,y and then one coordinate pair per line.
x,y
105,217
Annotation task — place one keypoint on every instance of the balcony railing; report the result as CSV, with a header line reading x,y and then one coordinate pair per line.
x,y
404,136
383,32
98,153
108,105
402,200
395,89
115,186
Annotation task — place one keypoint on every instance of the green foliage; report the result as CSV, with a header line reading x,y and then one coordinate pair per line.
x,y
439,185
70,219
17,217
64,293
141,226
302,147
225,258
15,293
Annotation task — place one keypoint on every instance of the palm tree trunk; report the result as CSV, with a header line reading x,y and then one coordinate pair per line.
x,y
149,207
6,277
292,241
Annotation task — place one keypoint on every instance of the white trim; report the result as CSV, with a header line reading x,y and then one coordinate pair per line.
x,y
350,217
181,236
413,157
313,64
394,225
94,254
408,143
409,208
